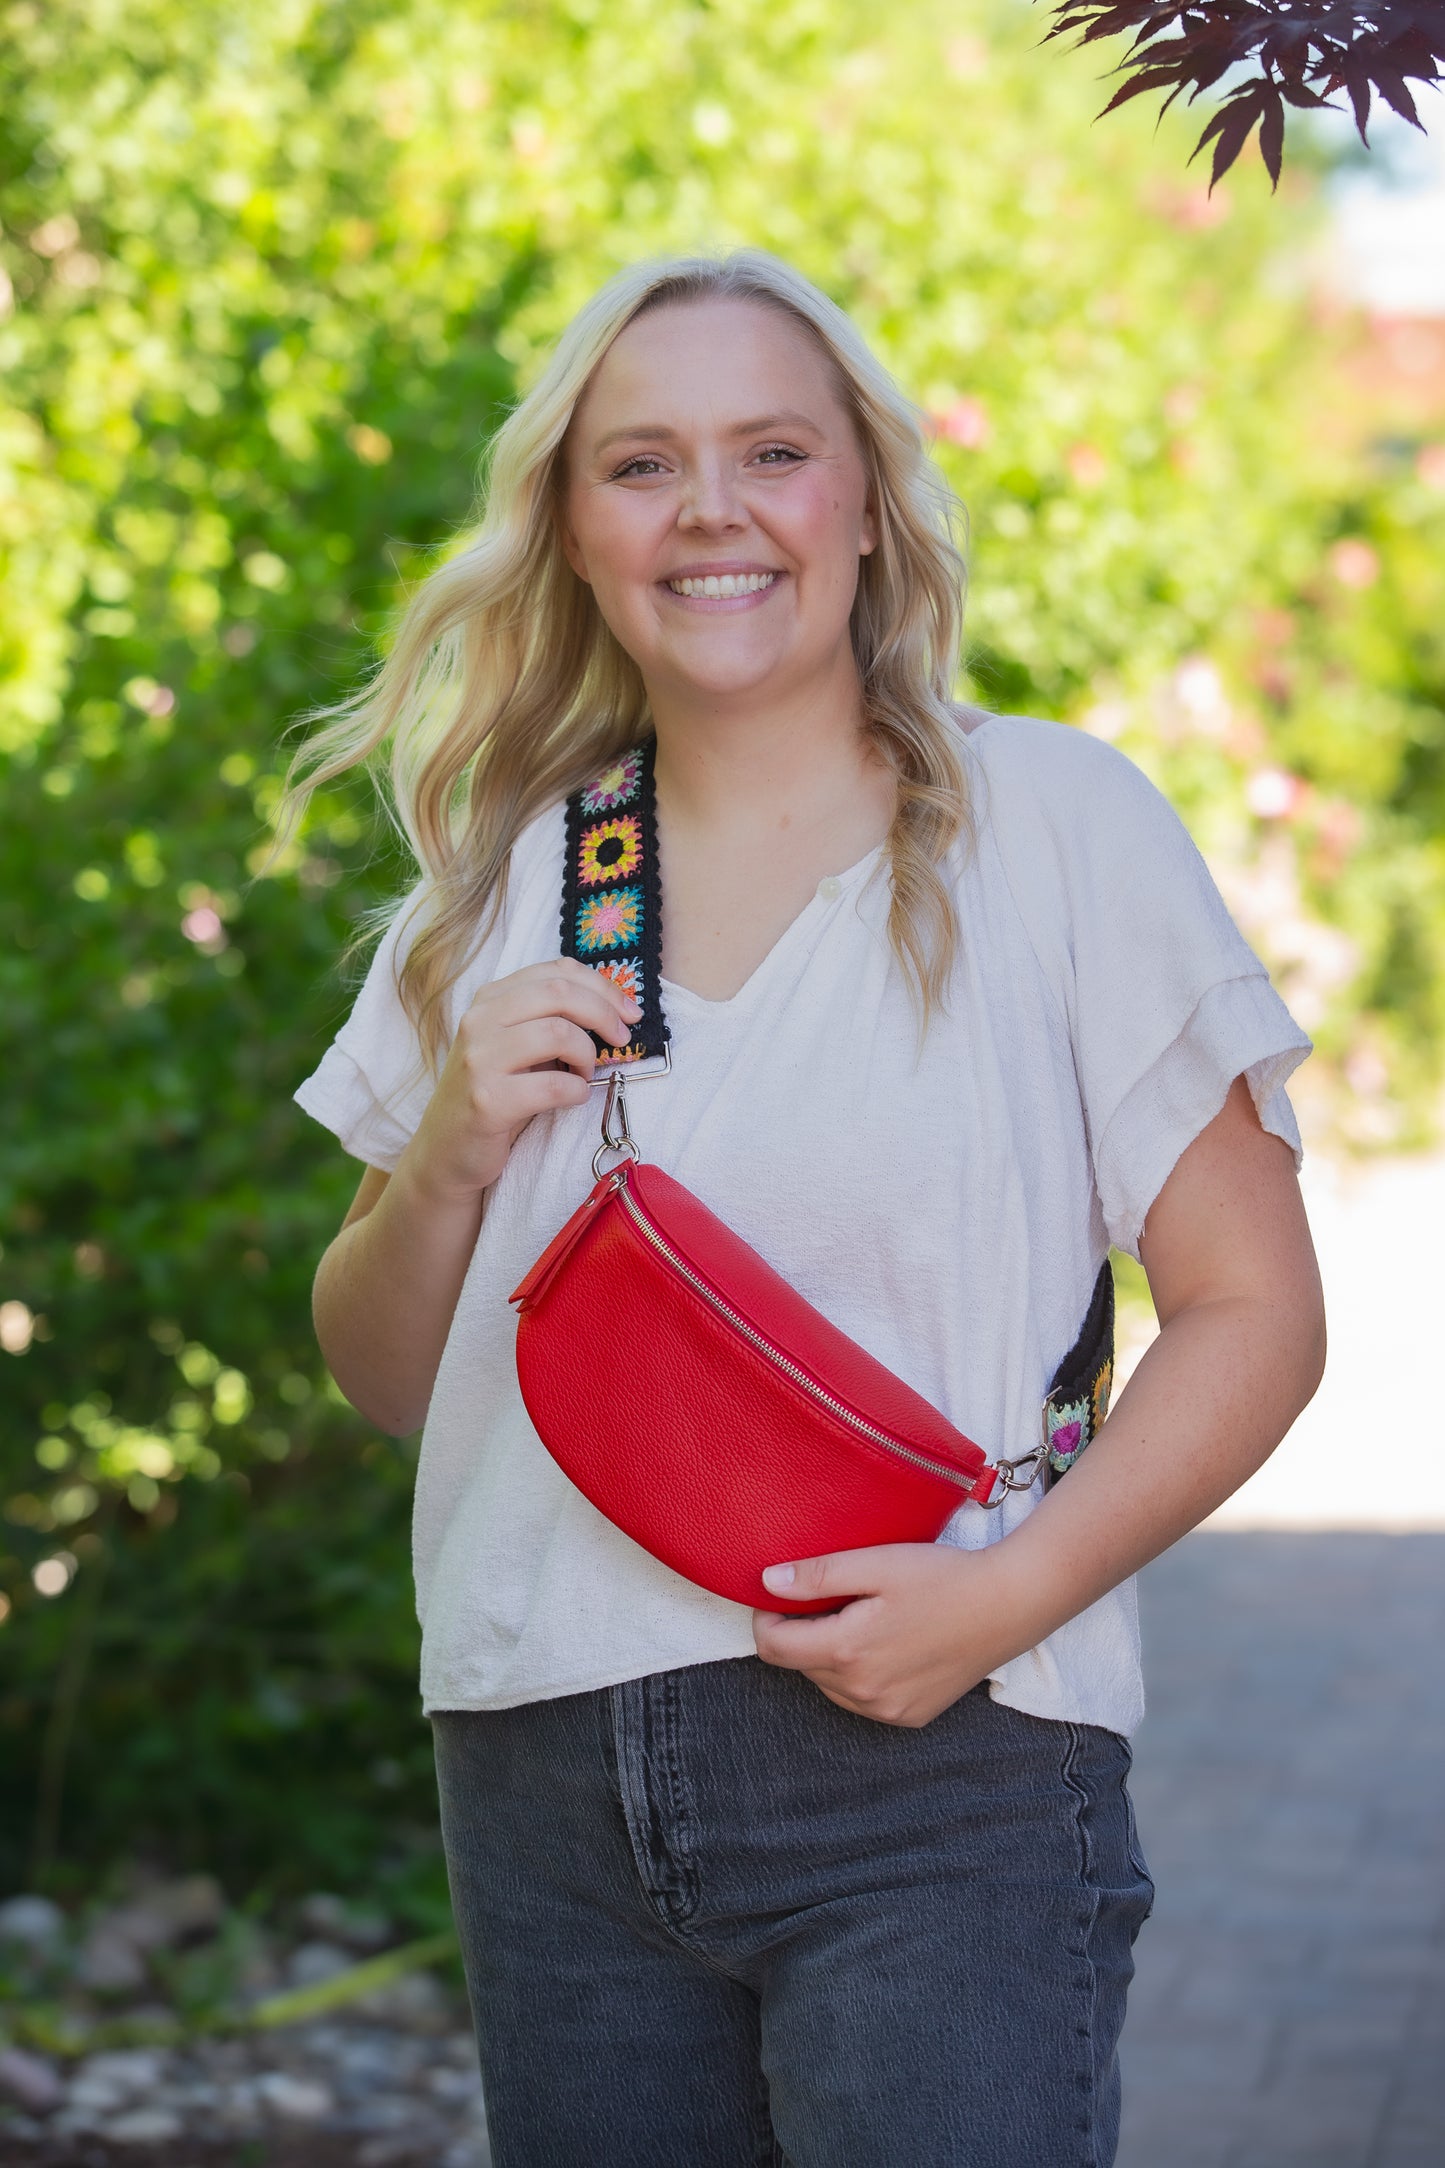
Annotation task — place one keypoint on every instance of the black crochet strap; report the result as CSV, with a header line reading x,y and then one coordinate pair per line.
x,y
1078,1396
612,893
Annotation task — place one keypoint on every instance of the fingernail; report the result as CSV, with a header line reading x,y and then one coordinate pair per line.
x,y
778,1578
632,1008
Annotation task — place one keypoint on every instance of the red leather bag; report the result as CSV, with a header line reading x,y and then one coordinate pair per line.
x,y
755,1430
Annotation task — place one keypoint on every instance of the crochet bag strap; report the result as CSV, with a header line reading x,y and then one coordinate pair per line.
x,y
1078,1397
1076,1402
612,894
612,921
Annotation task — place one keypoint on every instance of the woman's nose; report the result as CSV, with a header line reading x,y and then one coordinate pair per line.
x,y
711,499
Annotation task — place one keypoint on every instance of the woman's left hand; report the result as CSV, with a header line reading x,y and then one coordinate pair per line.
x,y
925,1623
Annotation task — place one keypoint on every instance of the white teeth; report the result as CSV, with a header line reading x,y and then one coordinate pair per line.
x,y
726,584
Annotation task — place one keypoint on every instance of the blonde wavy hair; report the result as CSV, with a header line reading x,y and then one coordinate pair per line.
x,y
504,690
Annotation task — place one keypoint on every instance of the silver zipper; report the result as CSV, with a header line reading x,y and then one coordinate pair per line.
x,y
780,1361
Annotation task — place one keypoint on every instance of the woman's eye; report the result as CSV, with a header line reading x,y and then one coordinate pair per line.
x,y
780,453
642,463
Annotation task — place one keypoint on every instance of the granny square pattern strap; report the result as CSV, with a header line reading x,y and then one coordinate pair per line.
x,y
1078,1395
612,895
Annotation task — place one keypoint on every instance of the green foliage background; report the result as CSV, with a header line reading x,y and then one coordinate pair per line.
x,y
272,271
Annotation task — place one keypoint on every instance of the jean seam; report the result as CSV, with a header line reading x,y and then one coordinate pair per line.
x,y
681,1848
1088,1920
767,2153
1137,1860
649,1777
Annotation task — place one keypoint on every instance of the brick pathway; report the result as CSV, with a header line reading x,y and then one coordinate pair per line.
x,y
1289,2009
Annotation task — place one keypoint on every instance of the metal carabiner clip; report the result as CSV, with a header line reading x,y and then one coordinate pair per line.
x,y
616,1131
1010,1477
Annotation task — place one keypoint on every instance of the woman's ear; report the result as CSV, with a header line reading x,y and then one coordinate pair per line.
x,y
868,521
868,529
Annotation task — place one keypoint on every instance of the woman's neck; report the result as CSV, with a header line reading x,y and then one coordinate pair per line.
x,y
804,766
756,807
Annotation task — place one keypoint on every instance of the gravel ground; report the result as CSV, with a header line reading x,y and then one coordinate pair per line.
x,y
316,2150
383,2075
316,2096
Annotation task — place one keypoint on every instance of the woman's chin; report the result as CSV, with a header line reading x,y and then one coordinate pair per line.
x,y
728,673
714,685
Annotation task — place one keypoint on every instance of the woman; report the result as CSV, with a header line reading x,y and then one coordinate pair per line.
x,y
953,1004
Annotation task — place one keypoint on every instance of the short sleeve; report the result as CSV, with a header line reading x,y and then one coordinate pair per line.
x,y
372,1086
1166,1002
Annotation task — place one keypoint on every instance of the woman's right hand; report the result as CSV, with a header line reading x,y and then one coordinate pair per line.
x,y
521,1048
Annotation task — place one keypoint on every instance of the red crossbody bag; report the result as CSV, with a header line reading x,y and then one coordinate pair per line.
x,y
759,1432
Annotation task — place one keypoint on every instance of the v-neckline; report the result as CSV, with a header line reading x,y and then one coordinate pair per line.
x,y
672,989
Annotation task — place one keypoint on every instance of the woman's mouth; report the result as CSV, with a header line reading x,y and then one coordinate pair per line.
x,y
723,586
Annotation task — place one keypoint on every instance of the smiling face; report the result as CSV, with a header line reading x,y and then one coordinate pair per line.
x,y
716,501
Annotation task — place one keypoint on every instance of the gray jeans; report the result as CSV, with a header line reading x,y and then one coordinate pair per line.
x,y
710,1920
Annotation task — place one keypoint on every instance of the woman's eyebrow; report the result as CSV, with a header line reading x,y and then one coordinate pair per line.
x,y
758,425
785,418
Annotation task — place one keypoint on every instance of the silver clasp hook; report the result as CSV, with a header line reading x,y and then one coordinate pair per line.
x,y
1016,1475
616,1131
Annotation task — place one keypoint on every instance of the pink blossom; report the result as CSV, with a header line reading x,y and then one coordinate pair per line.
x,y
965,423
203,926
1273,794
1354,563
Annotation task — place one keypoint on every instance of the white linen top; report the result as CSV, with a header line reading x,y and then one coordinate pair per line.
x,y
948,1207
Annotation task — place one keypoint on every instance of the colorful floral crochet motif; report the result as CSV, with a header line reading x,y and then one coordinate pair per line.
x,y
1078,1395
611,895
611,920
626,972
612,851
616,786
1103,1385
1068,1430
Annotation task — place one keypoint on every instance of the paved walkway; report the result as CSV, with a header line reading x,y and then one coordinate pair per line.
x,y
1289,2009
